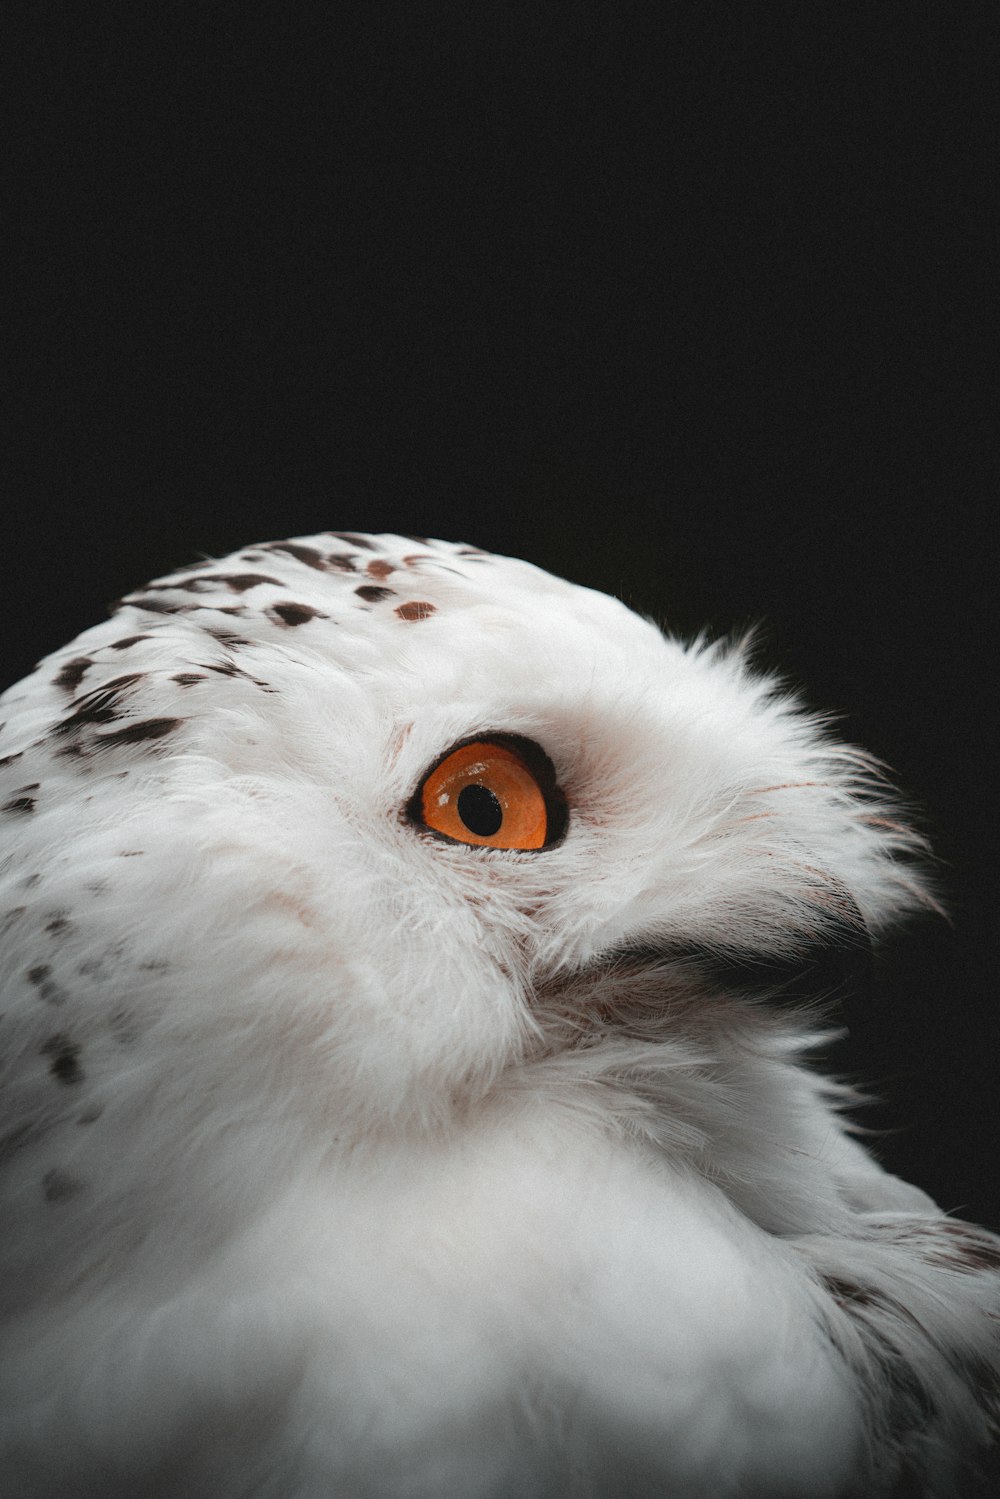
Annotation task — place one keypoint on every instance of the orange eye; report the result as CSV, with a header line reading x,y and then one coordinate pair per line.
x,y
498,792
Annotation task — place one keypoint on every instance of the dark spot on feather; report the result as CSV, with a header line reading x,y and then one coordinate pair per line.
x,y
340,562
847,1293
225,638
372,595
181,585
981,1376
148,605
11,916
978,1254
124,1028
21,1135
59,923
307,555
122,645
136,733
354,540
415,557
207,583
131,853
378,568
948,1242
72,673
31,879
423,541
64,1064
418,609
225,668
188,678
162,606
19,804
230,669
47,988
9,759
99,706
240,582
962,1246
289,613
59,1185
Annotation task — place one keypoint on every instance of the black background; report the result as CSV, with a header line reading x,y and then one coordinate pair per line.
x,y
698,309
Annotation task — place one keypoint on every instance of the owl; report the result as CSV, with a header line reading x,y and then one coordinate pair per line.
x,y
413,966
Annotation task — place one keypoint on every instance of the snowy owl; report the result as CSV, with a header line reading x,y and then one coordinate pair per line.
x,y
410,969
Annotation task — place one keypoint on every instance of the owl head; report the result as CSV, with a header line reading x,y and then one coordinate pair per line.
x,y
339,837
379,916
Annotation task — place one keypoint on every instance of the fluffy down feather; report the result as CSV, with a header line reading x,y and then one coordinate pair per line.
x,y
338,1158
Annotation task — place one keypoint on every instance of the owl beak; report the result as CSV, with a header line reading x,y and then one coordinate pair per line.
x,y
832,975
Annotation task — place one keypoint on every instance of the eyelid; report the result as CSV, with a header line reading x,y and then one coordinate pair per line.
x,y
517,769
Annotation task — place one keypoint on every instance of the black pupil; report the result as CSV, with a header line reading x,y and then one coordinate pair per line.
x,y
480,810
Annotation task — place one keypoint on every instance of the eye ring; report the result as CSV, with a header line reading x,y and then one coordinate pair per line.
x,y
491,790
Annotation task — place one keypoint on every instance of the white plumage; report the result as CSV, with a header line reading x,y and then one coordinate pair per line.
x,y
345,1156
